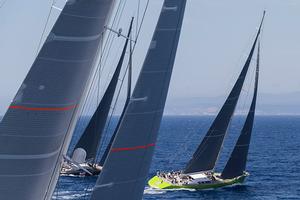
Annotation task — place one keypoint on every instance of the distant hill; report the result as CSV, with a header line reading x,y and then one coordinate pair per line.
x,y
267,104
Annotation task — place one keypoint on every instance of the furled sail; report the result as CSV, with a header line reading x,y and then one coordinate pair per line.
x,y
90,139
205,157
36,128
236,164
127,165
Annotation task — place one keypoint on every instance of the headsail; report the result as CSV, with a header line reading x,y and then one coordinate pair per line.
x,y
105,154
36,128
236,164
90,139
205,157
126,167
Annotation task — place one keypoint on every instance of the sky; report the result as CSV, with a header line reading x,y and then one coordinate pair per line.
x,y
216,38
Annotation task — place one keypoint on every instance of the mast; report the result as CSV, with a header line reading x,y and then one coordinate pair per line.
x,y
127,165
236,164
206,155
90,139
105,154
36,129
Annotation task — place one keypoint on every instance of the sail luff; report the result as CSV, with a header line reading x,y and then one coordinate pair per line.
x,y
127,165
36,129
207,153
90,139
236,164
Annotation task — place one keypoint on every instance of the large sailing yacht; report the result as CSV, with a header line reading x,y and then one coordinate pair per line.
x,y
199,172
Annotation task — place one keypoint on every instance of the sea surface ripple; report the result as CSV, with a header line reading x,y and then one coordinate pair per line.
x,y
273,162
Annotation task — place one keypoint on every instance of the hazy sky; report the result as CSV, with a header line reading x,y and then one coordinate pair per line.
x,y
216,38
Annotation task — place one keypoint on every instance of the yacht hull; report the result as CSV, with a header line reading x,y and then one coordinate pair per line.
x,y
159,183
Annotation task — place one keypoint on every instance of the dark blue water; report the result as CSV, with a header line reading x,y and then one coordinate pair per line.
x,y
274,160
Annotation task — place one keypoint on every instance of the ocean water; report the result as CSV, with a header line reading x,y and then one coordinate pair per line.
x,y
273,162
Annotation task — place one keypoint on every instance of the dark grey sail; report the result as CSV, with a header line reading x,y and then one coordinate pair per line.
x,y
105,154
236,164
90,139
205,157
127,165
38,123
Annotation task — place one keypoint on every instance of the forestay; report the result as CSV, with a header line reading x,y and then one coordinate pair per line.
x,y
37,124
127,165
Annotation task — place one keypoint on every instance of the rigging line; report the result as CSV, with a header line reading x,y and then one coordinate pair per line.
x,y
92,88
59,161
104,47
247,98
138,16
114,37
142,22
66,135
117,98
136,39
113,109
111,35
64,139
139,29
108,45
45,27
239,62
99,66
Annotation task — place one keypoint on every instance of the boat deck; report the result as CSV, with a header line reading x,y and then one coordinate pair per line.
x,y
216,182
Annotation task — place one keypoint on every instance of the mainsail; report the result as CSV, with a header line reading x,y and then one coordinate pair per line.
x,y
36,128
236,164
126,167
205,157
90,139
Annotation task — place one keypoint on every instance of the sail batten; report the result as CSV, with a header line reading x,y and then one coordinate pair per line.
x,y
127,165
207,153
35,131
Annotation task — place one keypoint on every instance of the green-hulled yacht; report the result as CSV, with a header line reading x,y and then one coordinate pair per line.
x,y
199,172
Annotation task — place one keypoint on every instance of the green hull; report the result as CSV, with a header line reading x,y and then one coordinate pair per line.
x,y
157,182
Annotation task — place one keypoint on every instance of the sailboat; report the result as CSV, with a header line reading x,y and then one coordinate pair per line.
x,y
199,172
37,128
83,161
127,165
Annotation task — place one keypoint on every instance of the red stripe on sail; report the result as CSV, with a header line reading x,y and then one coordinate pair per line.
x,y
132,148
43,109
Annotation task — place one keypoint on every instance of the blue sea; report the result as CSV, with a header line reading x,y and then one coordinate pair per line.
x,y
273,163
